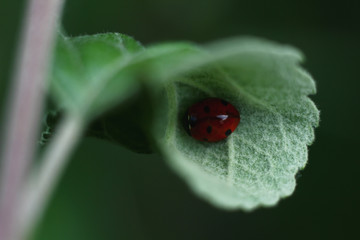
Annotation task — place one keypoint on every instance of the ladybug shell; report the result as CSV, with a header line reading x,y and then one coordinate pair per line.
x,y
212,120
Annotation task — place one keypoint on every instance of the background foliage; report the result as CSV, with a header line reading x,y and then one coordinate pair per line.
x,y
111,193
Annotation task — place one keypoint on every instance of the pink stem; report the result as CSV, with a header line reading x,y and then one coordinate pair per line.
x,y
26,106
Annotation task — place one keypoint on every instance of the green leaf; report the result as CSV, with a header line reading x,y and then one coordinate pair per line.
x,y
127,125
105,79
93,73
257,164
95,76
88,75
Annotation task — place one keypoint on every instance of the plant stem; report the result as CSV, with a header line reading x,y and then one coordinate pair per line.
x,y
26,105
44,179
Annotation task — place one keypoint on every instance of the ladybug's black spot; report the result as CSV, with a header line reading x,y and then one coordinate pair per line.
x,y
228,132
205,139
225,103
209,129
207,109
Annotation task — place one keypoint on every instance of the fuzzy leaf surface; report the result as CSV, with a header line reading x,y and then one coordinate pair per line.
x,y
257,164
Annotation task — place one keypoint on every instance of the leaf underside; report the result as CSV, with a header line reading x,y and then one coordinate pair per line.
x,y
257,164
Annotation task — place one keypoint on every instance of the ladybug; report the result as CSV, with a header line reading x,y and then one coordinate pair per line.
x,y
211,120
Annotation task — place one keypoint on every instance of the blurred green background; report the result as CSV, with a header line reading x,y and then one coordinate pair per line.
x,y
110,193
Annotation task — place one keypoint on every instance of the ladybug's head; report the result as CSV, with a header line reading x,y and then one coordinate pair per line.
x,y
189,121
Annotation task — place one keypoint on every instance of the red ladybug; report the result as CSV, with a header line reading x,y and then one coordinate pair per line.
x,y
211,120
